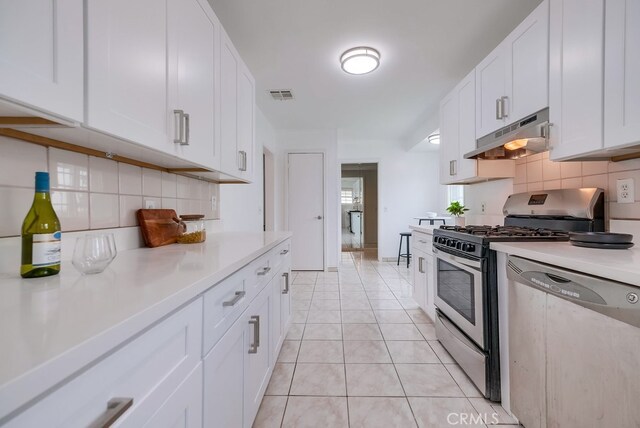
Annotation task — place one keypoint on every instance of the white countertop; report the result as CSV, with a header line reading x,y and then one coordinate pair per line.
x,y
428,229
618,265
50,327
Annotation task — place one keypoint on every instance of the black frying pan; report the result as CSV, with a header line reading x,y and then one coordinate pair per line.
x,y
601,237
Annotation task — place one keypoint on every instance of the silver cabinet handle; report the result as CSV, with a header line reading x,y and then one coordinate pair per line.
x,y
498,108
239,295
179,126
243,160
452,167
264,271
503,108
422,241
185,141
420,260
286,283
115,408
283,252
255,321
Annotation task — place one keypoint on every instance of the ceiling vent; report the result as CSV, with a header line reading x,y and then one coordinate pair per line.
x,y
281,94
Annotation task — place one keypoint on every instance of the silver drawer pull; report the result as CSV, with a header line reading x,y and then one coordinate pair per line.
x,y
422,241
286,283
255,321
264,271
283,252
115,408
236,299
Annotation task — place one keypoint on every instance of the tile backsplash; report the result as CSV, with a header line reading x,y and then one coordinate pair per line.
x,y
89,192
538,172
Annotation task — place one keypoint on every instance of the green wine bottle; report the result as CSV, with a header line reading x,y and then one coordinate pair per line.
x,y
40,234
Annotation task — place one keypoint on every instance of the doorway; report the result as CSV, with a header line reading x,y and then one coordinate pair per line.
x,y
359,208
306,213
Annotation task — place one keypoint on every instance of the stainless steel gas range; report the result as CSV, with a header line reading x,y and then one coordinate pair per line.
x,y
466,278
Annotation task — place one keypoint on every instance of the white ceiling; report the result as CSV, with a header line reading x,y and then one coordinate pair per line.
x,y
426,46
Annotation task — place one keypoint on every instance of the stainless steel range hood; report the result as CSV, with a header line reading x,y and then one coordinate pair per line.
x,y
524,137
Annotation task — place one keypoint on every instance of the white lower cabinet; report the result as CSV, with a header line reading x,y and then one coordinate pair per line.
x,y
423,273
146,372
237,369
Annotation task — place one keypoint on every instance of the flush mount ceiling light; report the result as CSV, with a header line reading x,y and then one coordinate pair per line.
x,y
360,60
434,138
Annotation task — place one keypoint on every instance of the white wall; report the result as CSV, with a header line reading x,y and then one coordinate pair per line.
x,y
324,141
241,205
407,182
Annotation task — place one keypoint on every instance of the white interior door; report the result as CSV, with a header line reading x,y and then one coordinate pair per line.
x,y
306,210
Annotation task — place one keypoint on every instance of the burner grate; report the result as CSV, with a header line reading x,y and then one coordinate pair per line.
x,y
505,231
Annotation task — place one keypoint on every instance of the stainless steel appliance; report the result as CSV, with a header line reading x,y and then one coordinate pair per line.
x,y
574,344
466,278
524,137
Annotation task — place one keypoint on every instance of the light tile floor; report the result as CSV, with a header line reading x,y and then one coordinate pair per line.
x,y
360,353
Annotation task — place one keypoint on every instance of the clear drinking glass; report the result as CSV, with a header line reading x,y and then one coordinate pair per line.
x,y
94,252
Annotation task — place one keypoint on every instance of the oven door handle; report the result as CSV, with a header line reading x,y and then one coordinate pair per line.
x,y
460,260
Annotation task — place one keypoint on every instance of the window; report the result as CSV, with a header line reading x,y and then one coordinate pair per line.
x,y
346,196
455,193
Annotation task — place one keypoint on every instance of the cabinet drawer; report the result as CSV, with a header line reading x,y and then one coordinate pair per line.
x,y
258,274
223,304
422,242
280,255
147,369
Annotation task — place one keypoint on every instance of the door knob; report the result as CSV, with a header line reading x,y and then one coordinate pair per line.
x,y
319,217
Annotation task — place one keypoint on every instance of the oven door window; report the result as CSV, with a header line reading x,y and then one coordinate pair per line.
x,y
456,288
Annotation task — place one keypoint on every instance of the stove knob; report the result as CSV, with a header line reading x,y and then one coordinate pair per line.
x,y
451,243
471,248
465,247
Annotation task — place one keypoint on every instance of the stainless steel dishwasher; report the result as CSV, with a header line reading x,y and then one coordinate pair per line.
x,y
574,348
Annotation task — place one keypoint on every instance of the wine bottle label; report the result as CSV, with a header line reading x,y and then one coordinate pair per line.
x,y
46,249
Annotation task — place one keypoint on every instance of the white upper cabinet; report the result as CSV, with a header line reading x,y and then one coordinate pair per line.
x,y
246,121
448,137
576,77
228,105
491,92
127,76
41,55
527,56
458,136
237,115
192,75
512,81
622,73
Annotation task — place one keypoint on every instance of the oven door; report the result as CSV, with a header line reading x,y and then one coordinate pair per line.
x,y
459,293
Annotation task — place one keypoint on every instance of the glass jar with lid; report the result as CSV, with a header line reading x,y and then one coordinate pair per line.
x,y
193,229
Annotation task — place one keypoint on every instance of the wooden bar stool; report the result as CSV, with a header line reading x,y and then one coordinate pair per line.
x,y
400,253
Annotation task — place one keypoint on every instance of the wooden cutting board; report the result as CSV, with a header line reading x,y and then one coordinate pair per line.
x,y
159,227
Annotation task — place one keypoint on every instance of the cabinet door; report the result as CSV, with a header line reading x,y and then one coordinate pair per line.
x,y
246,121
192,73
183,408
448,138
527,342
41,51
257,354
431,287
527,77
490,88
466,93
228,106
285,306
419,278
622,71
576,43
275,321
224,379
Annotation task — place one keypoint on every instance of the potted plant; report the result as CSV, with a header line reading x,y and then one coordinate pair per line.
x,y
456,209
